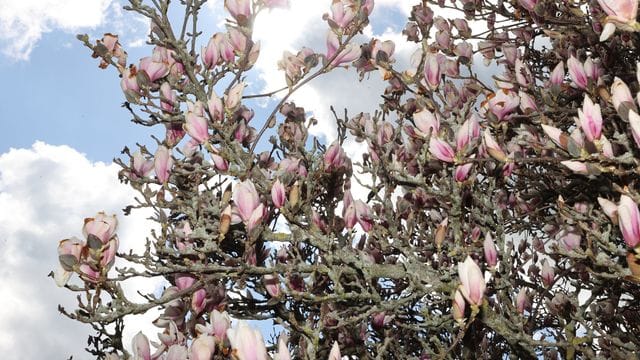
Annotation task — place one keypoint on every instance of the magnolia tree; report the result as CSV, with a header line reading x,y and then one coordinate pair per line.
x,y
499,218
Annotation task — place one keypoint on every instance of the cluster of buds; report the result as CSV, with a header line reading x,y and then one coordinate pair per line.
x,y
92,258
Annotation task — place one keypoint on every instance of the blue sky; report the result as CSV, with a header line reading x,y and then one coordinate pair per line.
x,y
62,124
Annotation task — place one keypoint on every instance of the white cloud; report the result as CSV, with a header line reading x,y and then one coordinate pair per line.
x,y
23,22
45,192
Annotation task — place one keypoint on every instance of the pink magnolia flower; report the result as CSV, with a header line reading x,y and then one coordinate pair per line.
x,y
458,307
342,12
472,279
462,172
196,124
155,66
528,4
621,95
211,54
432,71
577,167
278,194
634,121
198,300
610,208
202,348
177,352
233,98
467,132
68,250
590,119
522,301
356,212
246,342
629,221
347,55
490,252
492,146
248,204
223,42
184,281
238,39
577,73
163,163
335,352
622,14
109,252
102,226
523,74
527,103
167,97
367,6
335,158
129,82
272,284
503,103
547,273
557,75
140,346
141,167
221,322
239,9
441,150
426,122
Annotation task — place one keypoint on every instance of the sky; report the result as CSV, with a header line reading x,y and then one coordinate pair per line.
x,y
63,124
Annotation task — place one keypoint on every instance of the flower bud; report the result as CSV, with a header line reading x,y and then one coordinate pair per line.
x,y
472,281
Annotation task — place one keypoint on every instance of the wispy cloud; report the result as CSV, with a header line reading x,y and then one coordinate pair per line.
x,y
45,192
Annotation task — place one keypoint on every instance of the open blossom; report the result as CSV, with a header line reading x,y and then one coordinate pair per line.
x,y
577,73
247,343
472,281
629,221
102,226
426,122
356,212
622,15
155,66
129,82
441,150
342,12
335,158
590,119
248,205
348,54
503,103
